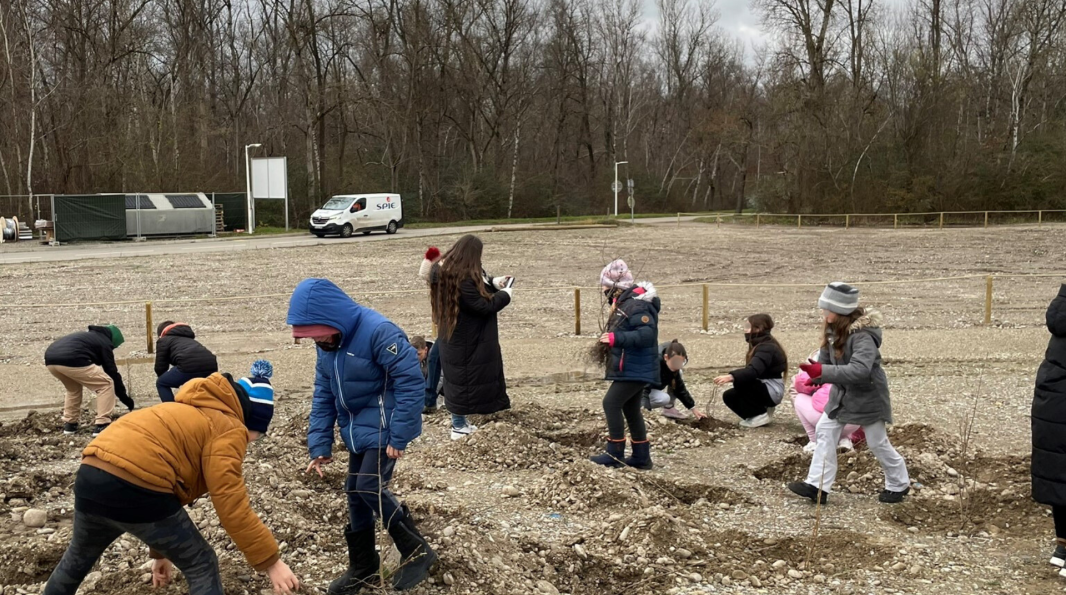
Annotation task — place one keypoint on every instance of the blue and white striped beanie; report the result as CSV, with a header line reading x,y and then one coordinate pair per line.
x,y
261,395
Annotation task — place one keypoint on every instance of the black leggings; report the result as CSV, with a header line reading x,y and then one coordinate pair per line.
x,y
621,405
748,399
1059,514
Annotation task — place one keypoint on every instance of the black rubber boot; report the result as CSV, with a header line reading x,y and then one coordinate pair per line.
x,y
363,564
641,458
416,557
616,452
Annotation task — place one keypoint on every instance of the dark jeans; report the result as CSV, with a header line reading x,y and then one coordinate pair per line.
x,y
171,379
367,486
433,374
175,537
621,405
1059,514
748,399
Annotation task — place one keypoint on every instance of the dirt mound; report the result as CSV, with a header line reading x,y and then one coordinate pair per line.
x,y
498,446
27,559
34,424
934,459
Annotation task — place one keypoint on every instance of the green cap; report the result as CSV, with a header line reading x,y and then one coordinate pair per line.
x,y
116,336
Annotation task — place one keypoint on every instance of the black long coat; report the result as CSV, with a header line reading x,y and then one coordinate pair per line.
x,y
471,359
1049,412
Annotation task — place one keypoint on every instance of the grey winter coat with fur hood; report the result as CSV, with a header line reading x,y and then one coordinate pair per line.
x,y
860,387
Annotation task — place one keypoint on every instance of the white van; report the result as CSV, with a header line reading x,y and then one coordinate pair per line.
x,y
346,214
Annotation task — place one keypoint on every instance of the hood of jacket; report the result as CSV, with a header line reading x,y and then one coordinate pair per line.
x,y
320,301
103,330
178,330
870,322
1056,314
642,292
214,392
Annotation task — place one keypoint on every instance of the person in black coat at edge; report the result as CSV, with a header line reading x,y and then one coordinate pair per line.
x,y
87,360
1049,427
465,301
179,358
632,362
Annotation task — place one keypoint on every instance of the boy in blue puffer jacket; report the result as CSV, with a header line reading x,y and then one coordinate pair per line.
x,y
369,384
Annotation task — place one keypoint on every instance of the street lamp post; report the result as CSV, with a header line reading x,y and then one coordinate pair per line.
x,y
616,186
248,186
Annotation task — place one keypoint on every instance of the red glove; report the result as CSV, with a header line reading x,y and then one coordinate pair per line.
x,y
812,369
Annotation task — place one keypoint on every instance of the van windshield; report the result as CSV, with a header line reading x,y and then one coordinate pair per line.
x,y
337,203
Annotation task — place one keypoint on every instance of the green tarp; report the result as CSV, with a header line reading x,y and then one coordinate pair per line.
x,y
89,217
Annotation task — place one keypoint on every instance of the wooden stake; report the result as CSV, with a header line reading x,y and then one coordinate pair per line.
x,y
757,216
706,304
847,221
577,311
895,221
148,326
986,218
941,220
988,300
799,220
1040,217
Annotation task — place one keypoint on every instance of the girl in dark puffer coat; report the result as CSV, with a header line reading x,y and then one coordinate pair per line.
x,y
1049,427
632,336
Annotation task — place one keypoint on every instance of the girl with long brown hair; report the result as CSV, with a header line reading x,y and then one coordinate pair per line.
x,y
759,386
850,360
465,302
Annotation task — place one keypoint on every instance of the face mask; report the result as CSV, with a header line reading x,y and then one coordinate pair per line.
x,y
332,344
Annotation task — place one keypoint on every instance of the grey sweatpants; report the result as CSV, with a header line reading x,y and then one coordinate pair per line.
x,y
823,471
176,537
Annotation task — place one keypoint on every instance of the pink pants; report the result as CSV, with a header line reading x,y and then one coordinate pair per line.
x,y
809,417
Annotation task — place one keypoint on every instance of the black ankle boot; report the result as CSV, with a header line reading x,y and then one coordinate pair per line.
x,y
363,564
416,557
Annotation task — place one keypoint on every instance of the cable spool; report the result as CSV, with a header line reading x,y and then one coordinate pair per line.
x,y
10,229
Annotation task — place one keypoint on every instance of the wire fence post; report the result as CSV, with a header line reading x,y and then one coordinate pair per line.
x,y
986,218
679,220
941,220
1040,217
895,221
799,220
847,221
577,311
988,300
148,326
706,306
718,220
757,216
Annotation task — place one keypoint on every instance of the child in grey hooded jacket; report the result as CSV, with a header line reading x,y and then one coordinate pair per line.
x,y
850,360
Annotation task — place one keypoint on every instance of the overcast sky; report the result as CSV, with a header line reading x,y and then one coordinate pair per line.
x,y
734,17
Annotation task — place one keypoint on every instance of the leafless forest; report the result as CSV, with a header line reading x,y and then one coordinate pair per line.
x,y
478,108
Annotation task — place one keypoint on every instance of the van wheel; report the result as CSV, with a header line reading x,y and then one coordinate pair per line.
x,y
366,232
391,229
346,231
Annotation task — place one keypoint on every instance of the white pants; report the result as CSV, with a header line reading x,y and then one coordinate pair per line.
x,y
823,471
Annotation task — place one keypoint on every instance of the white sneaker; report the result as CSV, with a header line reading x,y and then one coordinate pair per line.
x,y
756,422
463,432
1062,573
845,444
810,447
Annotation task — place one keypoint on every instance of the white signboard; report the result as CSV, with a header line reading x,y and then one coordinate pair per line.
x,y
270,180
270,177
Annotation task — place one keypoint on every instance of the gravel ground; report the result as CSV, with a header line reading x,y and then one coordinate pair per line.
x,y
517,509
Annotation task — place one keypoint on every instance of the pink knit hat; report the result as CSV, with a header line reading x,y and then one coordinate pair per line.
x,y
616,275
